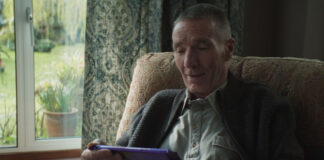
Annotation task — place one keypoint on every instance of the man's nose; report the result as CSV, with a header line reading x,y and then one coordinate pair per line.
x,y
190,59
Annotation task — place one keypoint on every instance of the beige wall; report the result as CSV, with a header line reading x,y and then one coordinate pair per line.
x,y
292,28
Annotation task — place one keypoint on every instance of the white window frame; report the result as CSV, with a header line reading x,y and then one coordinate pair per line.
x,y
26,141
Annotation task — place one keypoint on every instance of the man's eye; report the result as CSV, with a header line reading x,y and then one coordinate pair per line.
x,y
202,46
180,51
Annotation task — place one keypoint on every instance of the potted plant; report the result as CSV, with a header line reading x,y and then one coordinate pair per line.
x,y
60,116
61,98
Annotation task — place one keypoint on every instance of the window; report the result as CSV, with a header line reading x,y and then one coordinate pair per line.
x,y
41,74
8,127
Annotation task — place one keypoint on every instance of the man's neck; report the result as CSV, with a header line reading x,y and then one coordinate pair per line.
x,y
192,96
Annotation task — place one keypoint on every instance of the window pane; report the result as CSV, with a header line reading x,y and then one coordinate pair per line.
x,y
59,30
8,127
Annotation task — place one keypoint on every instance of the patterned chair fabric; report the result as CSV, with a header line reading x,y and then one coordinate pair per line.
x,y
301,80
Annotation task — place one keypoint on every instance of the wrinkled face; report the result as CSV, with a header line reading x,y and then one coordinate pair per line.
x,y
200,55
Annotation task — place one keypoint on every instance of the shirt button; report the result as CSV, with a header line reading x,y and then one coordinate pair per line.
x,y
193,144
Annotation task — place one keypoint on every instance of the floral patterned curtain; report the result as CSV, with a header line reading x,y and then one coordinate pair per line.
x,y
117,33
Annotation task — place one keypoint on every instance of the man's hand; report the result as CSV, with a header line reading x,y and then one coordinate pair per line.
x,y
104,154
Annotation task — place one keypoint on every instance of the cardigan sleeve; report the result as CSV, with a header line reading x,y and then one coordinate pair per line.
x,y
152,114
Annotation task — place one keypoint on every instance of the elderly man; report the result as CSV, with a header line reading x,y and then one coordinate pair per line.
x,y
217,116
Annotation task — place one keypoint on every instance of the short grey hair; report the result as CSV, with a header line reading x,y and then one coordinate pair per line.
x,y
208,11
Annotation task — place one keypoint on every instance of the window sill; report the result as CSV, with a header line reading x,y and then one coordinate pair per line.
x,y
62,154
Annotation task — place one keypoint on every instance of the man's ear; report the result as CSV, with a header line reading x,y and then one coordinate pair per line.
x,y
229,48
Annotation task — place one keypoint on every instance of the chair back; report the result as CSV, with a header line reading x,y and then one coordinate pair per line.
x,y
300,80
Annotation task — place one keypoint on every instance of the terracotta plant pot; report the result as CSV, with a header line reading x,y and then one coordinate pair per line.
x,y
60,124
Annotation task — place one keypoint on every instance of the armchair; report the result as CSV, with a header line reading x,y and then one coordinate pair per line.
x,y
301,80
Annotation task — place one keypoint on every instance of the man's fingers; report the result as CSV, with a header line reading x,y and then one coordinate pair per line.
x,y
96,142
99,154
86,155
91,144
99,141
103,153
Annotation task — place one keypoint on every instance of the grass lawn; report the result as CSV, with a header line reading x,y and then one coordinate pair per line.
x,y
46,66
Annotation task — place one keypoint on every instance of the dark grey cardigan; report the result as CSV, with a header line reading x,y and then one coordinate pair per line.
x,y
261,123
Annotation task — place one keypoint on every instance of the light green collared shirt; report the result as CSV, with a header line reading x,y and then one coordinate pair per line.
x,y
199,133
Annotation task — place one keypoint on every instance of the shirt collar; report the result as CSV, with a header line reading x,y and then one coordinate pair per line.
x,y
189,96
209,97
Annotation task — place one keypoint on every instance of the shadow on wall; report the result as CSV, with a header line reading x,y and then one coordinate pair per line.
x,y
284,28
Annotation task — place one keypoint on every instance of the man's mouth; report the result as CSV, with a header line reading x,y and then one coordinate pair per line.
x,y
195,75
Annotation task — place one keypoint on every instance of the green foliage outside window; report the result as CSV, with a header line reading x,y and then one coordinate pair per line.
x,y
7,127
44,45
56,24
55,21
59,22
63,94
55,98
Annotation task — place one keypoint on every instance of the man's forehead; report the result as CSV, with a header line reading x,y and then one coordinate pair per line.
x,y
197,24
194,40
203,27
193,21
192,37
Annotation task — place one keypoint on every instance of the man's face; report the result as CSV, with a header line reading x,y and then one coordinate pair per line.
x,y
200,55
